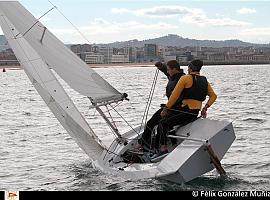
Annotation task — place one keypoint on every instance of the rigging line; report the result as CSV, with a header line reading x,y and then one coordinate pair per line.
x,y
113,122
70,22
151,142
113,131
36,22
156,74
126,80
147,105
114,107
150,102
151,95
129,123
111,152
126,121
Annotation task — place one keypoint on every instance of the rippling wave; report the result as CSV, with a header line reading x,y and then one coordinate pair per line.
x,y
36,153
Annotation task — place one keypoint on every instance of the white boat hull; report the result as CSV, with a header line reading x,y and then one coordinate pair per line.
x,y
185,163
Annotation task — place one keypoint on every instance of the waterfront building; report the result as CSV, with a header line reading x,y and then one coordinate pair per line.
x,y
150,52
168,58
107,52
121,58
94,58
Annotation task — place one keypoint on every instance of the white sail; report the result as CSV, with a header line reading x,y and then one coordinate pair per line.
x,y
50,89
68,66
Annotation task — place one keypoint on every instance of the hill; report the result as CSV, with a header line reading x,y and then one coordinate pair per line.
x,y
175,40
170,40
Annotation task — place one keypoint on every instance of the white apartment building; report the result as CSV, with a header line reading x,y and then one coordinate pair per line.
x,y
94,58
107,52
165,54
120,58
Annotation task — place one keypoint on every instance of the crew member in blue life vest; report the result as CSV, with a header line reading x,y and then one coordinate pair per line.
x,y
173,72
192,89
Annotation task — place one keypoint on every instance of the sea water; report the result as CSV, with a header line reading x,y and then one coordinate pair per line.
x,y
36,153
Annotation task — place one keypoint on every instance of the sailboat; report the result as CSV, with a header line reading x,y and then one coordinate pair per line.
x,y
201,144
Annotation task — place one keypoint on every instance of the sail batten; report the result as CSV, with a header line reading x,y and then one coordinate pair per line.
x,y
76,73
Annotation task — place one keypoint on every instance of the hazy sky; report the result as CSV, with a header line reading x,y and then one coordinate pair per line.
x,y
104,21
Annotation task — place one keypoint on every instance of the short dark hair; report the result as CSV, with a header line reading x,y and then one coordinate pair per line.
x,y
196,65
173,64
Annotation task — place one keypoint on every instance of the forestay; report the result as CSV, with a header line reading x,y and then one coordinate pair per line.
x,y
68,66
49,88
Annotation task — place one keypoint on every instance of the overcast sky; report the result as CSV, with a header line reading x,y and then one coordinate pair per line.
x,y
104,21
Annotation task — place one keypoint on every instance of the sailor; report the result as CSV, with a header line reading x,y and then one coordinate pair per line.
x,y
173,72
192,89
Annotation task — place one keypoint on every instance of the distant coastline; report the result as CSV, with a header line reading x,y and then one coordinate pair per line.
x,y
207,63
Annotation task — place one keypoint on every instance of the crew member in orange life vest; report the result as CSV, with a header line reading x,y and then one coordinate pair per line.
x,y
193,90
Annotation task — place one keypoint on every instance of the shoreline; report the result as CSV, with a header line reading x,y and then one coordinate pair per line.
x,y
126,65
206,63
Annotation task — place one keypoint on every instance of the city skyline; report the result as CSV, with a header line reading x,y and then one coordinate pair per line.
x,y
110,21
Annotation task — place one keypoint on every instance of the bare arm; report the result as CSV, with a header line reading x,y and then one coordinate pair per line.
x,y
213,97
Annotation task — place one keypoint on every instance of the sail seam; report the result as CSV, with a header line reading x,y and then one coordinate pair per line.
x,y
31,60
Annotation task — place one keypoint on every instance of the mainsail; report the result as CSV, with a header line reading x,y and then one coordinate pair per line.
x,y
67,65
46,83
